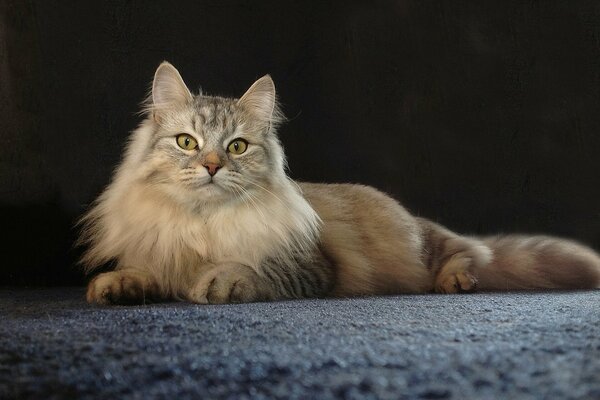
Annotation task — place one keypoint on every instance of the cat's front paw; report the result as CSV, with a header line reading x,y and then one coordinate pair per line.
x,y
120,287
230,283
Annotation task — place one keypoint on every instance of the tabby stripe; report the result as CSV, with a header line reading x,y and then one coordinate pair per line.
x,y
308,283
292,281
275,280
299,280
303,283
312,279
287,281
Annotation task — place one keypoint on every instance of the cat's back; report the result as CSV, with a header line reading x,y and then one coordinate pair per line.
x,y
363,207
342,197
344,194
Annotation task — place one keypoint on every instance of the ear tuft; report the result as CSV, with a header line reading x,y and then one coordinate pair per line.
x,y
261,101
168,88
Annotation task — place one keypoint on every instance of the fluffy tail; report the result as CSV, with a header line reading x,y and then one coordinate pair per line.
x,y
538,262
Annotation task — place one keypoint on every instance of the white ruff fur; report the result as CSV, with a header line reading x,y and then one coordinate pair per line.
x,y
145,228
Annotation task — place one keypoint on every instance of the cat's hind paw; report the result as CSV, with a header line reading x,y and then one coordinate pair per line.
x,y
459,282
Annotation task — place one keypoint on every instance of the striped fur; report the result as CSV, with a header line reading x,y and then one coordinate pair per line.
x,y
249,233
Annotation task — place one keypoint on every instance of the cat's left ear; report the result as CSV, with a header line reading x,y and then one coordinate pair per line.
x,y
168,89
261,101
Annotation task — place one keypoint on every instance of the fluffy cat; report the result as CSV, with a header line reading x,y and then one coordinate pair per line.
x,y
201,209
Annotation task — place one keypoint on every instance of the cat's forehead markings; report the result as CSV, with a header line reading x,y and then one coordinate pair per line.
x,y
207,115
235,132
229,121
215,116
197,122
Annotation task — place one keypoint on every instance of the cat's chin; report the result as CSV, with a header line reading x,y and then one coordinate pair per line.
x,y
209,193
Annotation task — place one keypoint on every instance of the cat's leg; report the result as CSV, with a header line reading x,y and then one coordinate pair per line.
x,y
237,283
124,286
230,283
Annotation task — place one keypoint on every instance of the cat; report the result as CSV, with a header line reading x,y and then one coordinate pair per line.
x,y
201,209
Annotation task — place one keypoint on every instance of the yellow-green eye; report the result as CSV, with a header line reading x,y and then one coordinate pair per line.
x,y
238,146
186,142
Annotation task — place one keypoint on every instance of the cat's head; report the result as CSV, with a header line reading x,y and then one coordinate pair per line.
x,y
202,149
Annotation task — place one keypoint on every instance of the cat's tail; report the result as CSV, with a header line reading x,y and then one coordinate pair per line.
x,y
537,262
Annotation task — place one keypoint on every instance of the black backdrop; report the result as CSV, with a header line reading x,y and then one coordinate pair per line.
x,y
483,116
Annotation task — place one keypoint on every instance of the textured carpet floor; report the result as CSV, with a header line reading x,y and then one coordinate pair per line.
x,y
519,345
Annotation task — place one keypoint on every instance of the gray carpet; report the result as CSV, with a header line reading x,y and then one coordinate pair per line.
x,y
519,345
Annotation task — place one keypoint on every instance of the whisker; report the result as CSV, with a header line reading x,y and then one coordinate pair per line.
x,y
237,193
251,181
252,198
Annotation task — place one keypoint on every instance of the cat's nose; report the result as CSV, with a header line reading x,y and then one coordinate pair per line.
x,y
212,168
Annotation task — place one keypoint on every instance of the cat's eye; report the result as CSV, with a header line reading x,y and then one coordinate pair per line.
x,y
186,142
238,146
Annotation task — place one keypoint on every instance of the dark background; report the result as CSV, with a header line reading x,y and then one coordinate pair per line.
x,y
483,116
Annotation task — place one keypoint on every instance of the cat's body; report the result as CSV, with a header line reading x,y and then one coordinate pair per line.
x,y
201,210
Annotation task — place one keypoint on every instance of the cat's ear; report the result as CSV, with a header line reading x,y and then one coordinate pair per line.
x,y
261,101
168,89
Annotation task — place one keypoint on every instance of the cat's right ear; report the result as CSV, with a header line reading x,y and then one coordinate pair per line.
x,y
168,90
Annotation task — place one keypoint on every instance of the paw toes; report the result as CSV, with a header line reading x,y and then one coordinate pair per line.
x,y
449,285
466,282
234,284
115,288
241,293
218,292
455,283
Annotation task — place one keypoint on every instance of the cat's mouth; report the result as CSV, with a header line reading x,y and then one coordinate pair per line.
x,y
210,184
204,181
206,186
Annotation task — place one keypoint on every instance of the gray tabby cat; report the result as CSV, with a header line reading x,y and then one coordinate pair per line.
x,y
201,209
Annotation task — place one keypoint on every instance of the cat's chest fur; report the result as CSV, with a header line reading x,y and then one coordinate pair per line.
x,y
167,236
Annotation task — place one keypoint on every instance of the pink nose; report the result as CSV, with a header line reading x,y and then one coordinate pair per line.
x,y
212,168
